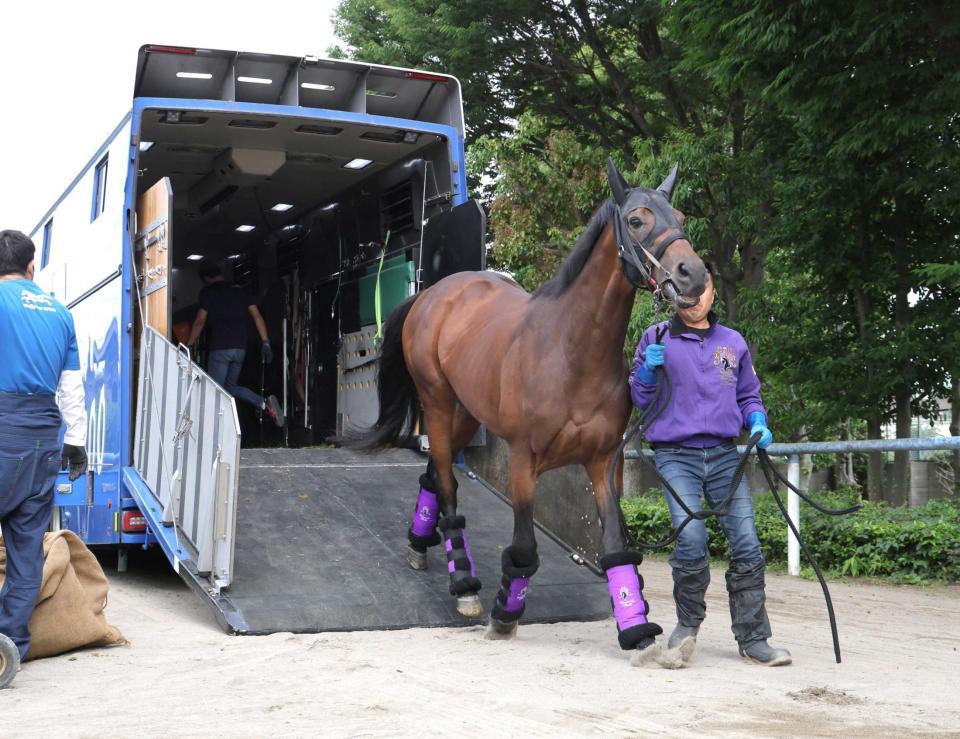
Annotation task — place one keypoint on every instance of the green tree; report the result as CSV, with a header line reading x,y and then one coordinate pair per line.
x,y
871,92
610,74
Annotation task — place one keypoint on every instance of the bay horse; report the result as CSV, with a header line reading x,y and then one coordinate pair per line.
x,y
546,373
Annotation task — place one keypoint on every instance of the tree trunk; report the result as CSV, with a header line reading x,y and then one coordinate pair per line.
x,y
874,462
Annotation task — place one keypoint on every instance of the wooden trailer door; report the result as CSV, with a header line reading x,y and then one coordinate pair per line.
x,y
152,241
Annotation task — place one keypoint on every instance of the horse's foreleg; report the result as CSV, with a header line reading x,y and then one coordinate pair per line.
x,y
520,560
630,609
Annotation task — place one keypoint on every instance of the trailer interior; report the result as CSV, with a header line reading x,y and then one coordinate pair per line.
x,y
313,217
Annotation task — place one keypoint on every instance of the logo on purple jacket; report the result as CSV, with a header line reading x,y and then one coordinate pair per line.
x,y
726,360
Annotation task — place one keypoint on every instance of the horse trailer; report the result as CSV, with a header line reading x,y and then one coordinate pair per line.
x,y
331,190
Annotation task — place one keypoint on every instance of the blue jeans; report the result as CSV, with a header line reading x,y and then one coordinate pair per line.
x,y
695,472
224,368
29,461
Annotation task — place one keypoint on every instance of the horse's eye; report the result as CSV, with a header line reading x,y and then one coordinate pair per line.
x,y
635,222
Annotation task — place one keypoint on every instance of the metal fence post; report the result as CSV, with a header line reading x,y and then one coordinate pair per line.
x,y
793,510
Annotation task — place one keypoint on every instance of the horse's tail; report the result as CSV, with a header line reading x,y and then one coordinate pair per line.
x,y
396,392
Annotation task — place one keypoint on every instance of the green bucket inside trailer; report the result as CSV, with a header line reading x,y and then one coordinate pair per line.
x,y
395,279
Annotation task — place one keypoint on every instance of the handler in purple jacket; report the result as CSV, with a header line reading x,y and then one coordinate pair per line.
x,y
716,394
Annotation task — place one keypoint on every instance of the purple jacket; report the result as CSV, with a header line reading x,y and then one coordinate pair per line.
x,y
715,387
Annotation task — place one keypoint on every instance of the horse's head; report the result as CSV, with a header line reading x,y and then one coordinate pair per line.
x,y
655,253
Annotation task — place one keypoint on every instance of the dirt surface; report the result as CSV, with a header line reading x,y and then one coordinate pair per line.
x,y
182,677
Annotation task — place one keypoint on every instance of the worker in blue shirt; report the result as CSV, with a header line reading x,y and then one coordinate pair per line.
x,y
40,371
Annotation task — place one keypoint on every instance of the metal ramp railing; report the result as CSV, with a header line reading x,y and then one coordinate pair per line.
x,y
187,453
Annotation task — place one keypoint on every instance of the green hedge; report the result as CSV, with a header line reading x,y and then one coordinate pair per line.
x,y
906,544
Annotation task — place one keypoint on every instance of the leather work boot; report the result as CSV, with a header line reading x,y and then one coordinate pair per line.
x,y
761,653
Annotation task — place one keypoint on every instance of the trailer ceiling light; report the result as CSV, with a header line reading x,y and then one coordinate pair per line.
x,y
358,163
282,207
329,207
245,228
410,137
145,145
255,80
317,86
235,256
171,116
194,75
195,257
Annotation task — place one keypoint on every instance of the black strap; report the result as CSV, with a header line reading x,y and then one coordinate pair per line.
x,y
662,246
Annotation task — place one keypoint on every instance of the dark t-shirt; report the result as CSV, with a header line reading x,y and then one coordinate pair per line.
x,y
227,315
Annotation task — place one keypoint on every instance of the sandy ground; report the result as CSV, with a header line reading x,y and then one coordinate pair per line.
x,y
182,677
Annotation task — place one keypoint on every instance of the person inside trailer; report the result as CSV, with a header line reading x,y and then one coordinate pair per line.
x,y
224,310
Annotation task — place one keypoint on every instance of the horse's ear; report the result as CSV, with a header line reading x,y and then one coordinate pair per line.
x,y
617,183
666,187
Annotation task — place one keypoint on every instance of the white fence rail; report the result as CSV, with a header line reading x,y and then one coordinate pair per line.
x,y
793,451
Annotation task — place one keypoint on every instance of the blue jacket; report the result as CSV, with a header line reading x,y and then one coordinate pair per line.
x,y
715,387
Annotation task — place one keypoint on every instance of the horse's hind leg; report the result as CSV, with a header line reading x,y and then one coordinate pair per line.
x,y
520,560
423,525
441,415
423,532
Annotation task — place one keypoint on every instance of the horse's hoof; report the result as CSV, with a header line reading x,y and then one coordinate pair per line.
x,y
469,605
497,630
670,659
647,656
416,560
686,648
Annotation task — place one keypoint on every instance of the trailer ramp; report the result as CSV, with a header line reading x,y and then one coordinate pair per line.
x,y
320,542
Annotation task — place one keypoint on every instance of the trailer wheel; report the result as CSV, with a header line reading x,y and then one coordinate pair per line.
x,y
9,661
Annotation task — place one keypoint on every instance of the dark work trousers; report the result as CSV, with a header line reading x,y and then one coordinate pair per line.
x,y
29,461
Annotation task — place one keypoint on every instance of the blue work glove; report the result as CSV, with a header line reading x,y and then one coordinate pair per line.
x,y
758,423
266,353
653,358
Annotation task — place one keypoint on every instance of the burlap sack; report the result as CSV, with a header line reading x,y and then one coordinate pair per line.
x,y
69,612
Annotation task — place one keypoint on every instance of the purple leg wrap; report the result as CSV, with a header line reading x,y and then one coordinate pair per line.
x,y
463,573
518,594
423,526
452,546
514,586
630,610
425,518
626,592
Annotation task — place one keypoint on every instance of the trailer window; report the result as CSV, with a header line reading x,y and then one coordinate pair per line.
x,y
45,250
99,189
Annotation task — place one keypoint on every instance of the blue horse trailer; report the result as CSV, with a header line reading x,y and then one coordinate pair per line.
x,y
329,189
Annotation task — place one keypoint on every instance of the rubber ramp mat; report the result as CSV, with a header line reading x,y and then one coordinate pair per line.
x,y
320,542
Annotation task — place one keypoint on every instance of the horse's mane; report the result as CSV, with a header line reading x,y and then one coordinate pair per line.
x,y
573,265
